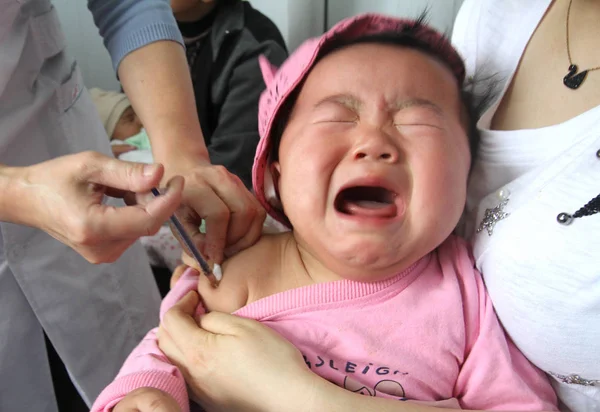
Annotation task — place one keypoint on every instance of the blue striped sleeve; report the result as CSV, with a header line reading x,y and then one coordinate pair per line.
x,y
126,25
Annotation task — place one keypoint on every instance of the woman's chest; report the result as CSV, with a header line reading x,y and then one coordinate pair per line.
x,y
544,276
537,95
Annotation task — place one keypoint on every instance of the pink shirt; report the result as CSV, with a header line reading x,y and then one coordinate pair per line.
x,y
428,334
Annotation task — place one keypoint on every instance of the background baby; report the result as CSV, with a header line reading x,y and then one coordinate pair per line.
x,y
123,127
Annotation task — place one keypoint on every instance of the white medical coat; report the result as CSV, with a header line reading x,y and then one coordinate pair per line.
x,y
93,314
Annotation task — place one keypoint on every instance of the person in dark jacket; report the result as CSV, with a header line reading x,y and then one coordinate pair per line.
x,y
224,39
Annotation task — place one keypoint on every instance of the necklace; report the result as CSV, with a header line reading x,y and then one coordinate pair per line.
x,y
591,208
573,79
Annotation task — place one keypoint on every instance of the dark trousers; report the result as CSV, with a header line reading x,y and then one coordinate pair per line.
x,y
67,397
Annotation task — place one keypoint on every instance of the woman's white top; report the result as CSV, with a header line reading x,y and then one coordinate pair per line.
x,y
543,277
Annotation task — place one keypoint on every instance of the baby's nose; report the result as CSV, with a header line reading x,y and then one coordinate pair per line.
x,y
377,146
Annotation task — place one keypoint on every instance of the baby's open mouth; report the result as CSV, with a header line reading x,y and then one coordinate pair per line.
x,y
368,201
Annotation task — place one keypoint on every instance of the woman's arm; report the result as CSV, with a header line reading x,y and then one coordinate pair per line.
x,y
161,92
146,47
147,51
156,79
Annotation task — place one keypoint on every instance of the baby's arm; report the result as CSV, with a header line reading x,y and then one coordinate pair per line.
x,y
247,276
147,366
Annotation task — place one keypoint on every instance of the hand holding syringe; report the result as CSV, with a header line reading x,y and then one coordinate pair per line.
x,y
191,249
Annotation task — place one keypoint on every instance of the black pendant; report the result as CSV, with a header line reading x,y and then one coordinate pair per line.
x,y
573,79
564,218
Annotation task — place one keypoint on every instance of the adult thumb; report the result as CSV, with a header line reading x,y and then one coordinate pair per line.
x,y
122,175
220,323
188,303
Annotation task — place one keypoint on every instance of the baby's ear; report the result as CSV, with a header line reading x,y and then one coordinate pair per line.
x,y
272,187
268,70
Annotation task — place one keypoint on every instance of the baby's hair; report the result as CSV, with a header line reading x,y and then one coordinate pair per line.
x,y
474,98
477,93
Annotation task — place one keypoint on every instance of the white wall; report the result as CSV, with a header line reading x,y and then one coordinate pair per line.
x,y
441,12
300,19
297,20
85,44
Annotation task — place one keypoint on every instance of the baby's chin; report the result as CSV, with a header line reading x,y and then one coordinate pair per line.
x,y
360,258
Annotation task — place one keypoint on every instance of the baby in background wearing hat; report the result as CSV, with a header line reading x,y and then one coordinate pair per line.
x,y
122,125
364,155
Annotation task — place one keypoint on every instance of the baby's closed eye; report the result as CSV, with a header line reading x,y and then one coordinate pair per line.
x,y
334,113
415,124
418,117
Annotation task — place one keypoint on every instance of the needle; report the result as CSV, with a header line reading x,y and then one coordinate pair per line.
x,y
186,241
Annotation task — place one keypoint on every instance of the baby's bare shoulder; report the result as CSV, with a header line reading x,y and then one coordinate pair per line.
x,y
241,275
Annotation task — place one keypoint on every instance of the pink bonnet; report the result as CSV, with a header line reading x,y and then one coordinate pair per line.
x,y
283,81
